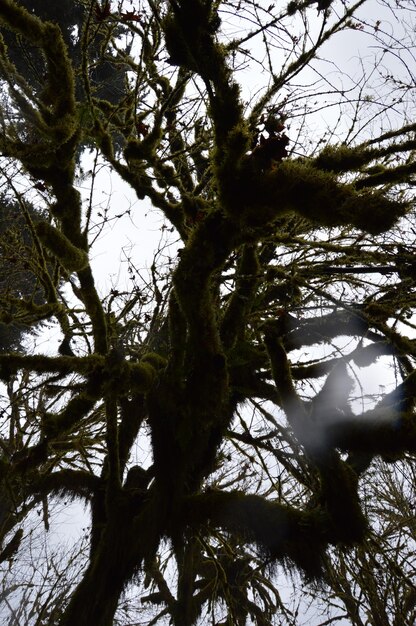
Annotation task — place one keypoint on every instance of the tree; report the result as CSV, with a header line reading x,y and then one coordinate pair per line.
x,y
16,278
288,246
106,72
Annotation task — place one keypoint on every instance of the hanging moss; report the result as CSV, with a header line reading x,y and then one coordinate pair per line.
x,y
72,258
364,356
54,425
283,533
176,44
378,432
372,212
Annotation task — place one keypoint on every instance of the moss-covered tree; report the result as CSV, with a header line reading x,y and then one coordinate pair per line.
x,y
291,242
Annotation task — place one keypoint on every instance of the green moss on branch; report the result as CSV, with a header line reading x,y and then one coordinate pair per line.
x,y
241,301
72,258
256,199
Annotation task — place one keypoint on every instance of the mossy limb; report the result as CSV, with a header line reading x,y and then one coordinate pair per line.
x,y
283,533
72,258
256,198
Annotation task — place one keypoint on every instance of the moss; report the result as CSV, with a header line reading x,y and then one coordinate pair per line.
x,y
67,482
388,429
189,29
165,174
94,308
281,532
144,149
142,376
372,212
176,44
72,258
389,176
27,310
88,366
54,425
122,378
18,19
343,158
238,138
68,208
256,199
282,375
241,301
237,142
156,360
59,86
231,133
194,207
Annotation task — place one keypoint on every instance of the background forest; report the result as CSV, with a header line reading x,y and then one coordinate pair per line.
x,y
227,408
